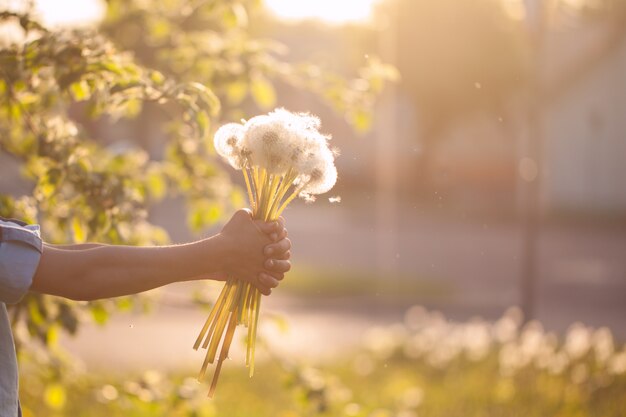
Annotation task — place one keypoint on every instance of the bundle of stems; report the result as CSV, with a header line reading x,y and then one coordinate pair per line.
x,y
239,302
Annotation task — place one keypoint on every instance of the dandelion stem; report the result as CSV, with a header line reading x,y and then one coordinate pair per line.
x,y
288,200
257,306
262,186
282,190
251,197
274,183
228,288
219,331
258,188
232,324
241,313
216,307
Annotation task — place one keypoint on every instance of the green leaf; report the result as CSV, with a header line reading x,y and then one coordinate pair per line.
x,y
238,198
236,16
213,214
203,213
133,108
202,119
195,219
34,312
157,77
263,92
52,335
207,98
124,303
236,92
80,90
78,229
361,120
156,184
46,189
99,314
54,396
68,319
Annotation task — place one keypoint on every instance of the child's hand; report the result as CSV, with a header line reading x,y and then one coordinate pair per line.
x,y
256,251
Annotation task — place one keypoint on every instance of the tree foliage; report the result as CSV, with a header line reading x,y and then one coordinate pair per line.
x,y
181,64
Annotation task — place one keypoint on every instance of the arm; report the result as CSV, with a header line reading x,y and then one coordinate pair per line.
x,y
243,249
104,271
77,246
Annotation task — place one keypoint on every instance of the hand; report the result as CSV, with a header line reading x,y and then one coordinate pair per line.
x,y
278,254
256,252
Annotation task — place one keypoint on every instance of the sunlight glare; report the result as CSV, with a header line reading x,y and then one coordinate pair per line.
x,y
71,12
330,11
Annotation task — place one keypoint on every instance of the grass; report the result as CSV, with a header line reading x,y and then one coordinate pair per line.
x,y
427,366
318,282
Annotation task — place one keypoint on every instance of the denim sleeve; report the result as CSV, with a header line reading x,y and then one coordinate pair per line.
x,y
20,251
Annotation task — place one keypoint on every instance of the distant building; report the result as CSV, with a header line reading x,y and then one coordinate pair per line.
x,y
584,131
585,123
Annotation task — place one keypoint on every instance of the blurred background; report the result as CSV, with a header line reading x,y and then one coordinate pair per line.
x,y
480,186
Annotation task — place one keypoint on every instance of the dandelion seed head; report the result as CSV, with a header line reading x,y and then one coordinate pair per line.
x,y
617,364
268,141
282,141
227,142
577,341
603,344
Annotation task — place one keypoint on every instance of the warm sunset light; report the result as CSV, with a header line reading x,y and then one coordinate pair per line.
x,y
70,12
282,208
331,11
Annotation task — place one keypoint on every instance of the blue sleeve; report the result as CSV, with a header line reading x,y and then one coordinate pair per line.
x,y
20,251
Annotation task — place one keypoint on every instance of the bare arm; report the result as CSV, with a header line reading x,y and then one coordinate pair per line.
x,y
88,272
253,251
77,246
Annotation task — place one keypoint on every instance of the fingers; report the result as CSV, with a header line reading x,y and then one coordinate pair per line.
x,y
275,265
276,275
285,256
264,290
269,227
275,229
282,234
266,282
277,248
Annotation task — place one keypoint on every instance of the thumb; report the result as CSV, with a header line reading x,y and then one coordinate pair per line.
x,y
243,212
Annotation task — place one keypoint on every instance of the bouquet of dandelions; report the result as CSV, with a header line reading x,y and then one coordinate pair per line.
x,y
282,156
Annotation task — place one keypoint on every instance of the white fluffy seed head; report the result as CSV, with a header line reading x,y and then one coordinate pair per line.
x,y
278,142
318,171
269,142
228,143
